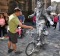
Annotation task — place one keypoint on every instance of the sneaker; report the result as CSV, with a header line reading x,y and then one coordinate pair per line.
x,y
18,52
10,50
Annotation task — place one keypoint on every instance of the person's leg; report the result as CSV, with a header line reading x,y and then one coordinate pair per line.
x,y
14,41
55,24
48,24
3,31
9,45
22,33
14,47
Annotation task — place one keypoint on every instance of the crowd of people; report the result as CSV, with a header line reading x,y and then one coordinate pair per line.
x,y
9,24
4,24
56,19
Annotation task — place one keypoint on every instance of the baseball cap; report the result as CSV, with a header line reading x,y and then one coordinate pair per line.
x,y
17,9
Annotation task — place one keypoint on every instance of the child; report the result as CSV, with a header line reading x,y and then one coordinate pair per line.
x,y
55,19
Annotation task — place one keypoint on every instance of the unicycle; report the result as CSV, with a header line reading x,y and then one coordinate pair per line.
x,y
37,44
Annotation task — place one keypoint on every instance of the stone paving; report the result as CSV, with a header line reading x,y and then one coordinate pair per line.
x,y
52,49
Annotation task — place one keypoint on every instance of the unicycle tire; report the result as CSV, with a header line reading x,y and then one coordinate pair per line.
x,y
26,51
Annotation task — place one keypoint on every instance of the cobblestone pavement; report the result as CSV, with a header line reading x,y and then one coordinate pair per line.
x,y
52,49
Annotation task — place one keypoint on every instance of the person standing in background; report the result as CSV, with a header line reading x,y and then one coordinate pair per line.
x,y
21,18
2,28
55,19
6,21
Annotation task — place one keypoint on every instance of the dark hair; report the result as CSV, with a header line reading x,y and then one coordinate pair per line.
x,y
17,10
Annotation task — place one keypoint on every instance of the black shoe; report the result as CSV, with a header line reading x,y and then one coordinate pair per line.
x,y
10,50
18,52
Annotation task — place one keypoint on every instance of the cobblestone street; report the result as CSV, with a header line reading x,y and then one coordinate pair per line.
x,y
52,49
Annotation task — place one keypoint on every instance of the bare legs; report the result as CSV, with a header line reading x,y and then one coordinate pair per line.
x,y
10,44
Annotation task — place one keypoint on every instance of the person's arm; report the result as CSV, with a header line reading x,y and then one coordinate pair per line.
x,y
48,18
25,26
32,15
17,22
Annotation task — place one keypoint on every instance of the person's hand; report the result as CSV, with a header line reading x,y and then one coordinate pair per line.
x,y
51,23
29,17
31,28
